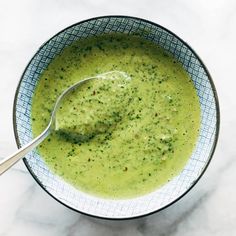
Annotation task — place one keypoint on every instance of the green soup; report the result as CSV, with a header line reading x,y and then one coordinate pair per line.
x,y
136,134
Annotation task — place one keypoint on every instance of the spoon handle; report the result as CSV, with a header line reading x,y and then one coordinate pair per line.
x,y
7,162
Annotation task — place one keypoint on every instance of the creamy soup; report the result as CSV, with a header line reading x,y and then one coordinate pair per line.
x,y
123,137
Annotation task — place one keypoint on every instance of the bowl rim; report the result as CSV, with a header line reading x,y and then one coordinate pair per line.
x,y
215,137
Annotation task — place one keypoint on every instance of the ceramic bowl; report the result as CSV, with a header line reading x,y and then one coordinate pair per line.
x,y
170,192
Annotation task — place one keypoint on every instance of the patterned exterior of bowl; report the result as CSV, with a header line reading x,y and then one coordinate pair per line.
x,y
173,190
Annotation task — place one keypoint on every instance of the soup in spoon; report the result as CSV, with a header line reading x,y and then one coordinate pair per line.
x,y
95,107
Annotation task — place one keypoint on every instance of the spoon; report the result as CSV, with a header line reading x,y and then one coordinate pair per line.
x,y
9,161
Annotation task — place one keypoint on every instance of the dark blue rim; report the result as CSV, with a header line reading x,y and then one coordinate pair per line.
x,y
217,118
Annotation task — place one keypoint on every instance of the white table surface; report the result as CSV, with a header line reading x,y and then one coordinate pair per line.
x,y
209,27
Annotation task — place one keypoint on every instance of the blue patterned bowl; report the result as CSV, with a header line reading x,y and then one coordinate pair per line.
x,y
162,197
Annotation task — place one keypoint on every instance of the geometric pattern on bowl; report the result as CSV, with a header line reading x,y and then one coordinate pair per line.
x,y
162,197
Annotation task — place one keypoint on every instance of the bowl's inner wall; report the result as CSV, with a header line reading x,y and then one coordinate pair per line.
x,y
163,196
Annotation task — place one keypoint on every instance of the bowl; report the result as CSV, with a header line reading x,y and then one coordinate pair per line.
x,y
170,192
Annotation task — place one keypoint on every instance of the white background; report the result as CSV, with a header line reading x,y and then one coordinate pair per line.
x,y
210,28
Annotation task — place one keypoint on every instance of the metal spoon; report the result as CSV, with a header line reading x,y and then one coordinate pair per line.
x,y
7,162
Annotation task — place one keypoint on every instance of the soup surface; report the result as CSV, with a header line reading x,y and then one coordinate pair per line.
x,y
123,137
